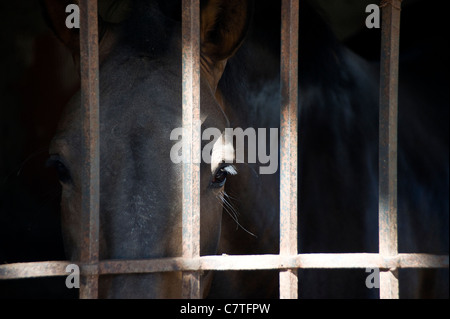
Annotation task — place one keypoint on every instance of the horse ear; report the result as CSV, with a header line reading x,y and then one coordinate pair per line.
x,y
55,14
224,25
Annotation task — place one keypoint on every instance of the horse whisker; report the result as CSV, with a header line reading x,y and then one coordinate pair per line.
x,y
231,211
229,196
235,213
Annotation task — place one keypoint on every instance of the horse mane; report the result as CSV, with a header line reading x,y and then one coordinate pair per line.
x,y
322,58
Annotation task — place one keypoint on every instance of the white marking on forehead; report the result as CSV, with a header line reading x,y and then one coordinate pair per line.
x,y
222,152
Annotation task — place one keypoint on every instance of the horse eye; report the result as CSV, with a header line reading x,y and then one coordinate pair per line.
x,y
61,169
219,178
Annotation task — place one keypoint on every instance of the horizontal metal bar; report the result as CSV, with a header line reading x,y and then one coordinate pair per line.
x,y
225,263
34,270
266,262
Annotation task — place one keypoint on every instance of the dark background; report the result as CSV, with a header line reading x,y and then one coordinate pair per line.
x,y
38,76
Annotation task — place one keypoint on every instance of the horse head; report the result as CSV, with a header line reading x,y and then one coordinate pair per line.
x,y
140,105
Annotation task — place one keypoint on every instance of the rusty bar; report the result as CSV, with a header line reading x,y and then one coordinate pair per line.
x,y
289,142
34,270
267,262
223,263
191,149
226,262
90,196
388,241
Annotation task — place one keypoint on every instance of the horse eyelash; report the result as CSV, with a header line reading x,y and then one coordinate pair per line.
x,y
230,169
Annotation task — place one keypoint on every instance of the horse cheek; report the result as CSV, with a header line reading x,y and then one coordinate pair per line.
x,y
70,220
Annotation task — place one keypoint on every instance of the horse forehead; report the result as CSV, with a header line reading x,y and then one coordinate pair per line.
x,y
153,88
142,98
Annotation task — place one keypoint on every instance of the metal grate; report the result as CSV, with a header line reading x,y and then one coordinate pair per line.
x,y
388,260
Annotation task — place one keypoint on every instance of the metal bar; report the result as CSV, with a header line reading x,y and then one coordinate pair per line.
x,y
91,150
223,263
388,241
34,270
267,262
191,149
289,142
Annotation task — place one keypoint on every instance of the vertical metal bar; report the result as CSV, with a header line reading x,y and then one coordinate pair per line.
x,y
389,287
91,150
289,142
191,126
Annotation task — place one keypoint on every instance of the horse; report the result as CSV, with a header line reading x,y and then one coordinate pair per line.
x,y
140,104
